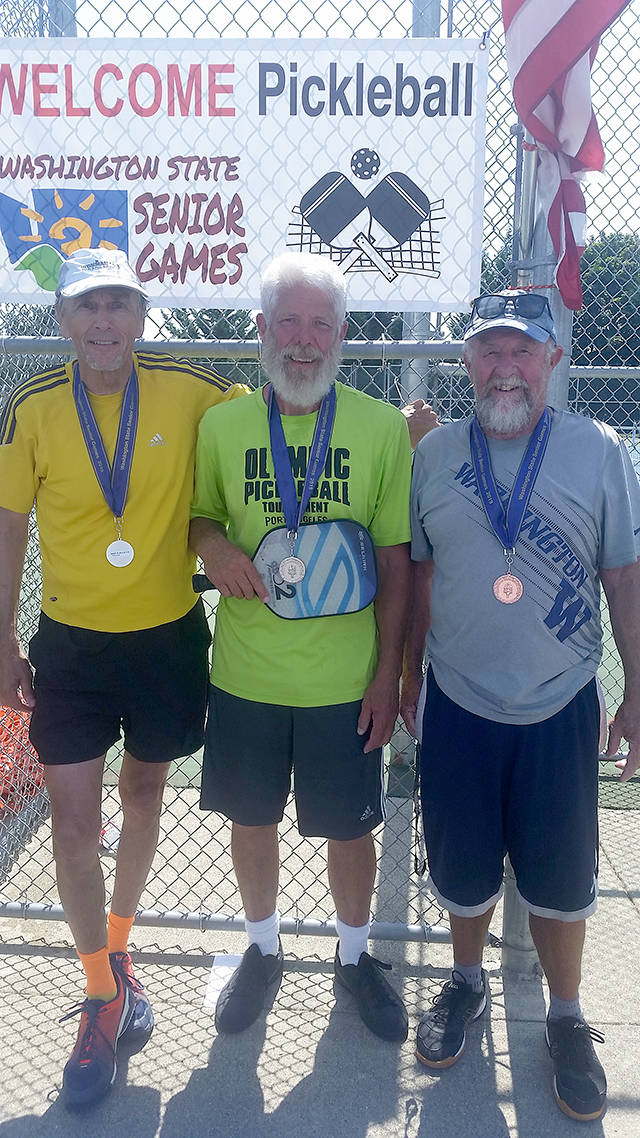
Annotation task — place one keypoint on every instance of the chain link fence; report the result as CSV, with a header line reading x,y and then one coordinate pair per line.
x,y
192,877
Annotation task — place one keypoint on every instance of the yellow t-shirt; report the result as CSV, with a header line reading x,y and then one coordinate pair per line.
x,y
43,456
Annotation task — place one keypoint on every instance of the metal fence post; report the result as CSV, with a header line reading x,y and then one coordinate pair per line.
x,y
519,957
62,18
425,21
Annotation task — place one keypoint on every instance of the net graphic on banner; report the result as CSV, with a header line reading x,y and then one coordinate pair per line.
x,y
389,230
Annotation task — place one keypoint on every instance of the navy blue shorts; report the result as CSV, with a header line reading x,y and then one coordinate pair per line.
x,y
529,790
90,687
251,750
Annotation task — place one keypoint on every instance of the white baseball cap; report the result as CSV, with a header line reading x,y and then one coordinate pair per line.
x,y
87,269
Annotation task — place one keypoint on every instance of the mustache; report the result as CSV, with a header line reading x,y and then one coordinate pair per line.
x,y
301,355
514,381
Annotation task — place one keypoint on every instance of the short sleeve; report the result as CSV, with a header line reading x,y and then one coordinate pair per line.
x,y
421,549
18,477
390,522
208,497
621,510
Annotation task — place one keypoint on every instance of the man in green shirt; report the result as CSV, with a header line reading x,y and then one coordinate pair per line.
x,y
318,695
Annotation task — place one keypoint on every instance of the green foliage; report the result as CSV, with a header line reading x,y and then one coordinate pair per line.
x,y
607,329
209,324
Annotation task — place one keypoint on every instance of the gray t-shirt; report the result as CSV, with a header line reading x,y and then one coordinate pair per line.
x,y
522,662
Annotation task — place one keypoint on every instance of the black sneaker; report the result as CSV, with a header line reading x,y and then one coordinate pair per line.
x,y
441,1034
243,996
380,1007
579,1081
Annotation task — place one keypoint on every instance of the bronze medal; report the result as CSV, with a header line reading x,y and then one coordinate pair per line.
x,y
508,589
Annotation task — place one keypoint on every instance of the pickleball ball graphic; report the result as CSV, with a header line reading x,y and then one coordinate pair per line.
x,y
365,163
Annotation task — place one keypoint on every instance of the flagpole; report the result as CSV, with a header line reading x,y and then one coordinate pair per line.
x,y
534,262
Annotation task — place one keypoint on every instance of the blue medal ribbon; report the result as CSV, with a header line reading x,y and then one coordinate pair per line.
x,y
113,479
506,523
292,508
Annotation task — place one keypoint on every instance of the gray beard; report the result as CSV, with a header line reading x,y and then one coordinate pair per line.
x,y
294,391
504,420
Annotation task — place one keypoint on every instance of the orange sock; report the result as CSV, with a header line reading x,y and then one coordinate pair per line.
x,y
118,930
101,984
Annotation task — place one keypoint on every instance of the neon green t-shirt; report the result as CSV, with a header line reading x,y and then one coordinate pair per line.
x,y
366,477
43,456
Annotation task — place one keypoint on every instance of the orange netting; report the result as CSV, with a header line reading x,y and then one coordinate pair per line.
x,y
21,774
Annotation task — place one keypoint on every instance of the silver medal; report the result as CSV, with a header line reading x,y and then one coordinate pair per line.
x,y
292,569
119,553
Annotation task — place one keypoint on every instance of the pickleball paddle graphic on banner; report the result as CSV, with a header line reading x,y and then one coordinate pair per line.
x,y
388,230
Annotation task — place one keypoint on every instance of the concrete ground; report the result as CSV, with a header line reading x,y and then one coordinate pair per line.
x,y
310,1069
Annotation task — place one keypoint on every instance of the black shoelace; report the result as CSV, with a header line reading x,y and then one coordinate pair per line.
x,y
574,1044
93,1009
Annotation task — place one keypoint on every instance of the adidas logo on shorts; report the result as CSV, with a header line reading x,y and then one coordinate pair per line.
x,y
157,441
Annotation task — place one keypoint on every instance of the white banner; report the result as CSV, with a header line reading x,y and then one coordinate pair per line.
x,y
203,159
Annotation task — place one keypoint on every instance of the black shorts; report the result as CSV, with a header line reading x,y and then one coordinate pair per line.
x,y
90,686
529,790
252,748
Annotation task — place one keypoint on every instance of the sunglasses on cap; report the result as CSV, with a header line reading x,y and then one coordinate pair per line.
x,y
528,305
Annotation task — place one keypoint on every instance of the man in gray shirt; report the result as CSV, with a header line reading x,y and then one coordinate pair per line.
x,y
518,514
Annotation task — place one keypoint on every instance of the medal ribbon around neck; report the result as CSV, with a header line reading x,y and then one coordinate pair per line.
x,y
506,523
292,508
113,479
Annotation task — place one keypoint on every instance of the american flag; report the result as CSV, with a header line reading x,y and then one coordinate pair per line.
x,y
551,46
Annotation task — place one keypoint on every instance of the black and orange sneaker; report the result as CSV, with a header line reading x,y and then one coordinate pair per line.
x,y
90,1071
141,1024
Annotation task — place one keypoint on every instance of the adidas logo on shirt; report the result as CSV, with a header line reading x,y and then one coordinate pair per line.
x,y
157,441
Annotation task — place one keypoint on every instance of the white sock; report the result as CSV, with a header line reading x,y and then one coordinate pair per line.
x,y
352,942
264,933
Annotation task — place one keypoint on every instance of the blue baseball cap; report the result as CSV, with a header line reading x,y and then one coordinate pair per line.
x,y
521,311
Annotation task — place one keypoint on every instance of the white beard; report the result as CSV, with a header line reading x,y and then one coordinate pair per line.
x,y
504,420
300,392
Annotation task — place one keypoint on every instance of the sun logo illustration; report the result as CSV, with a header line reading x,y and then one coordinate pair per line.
x,y
39,237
